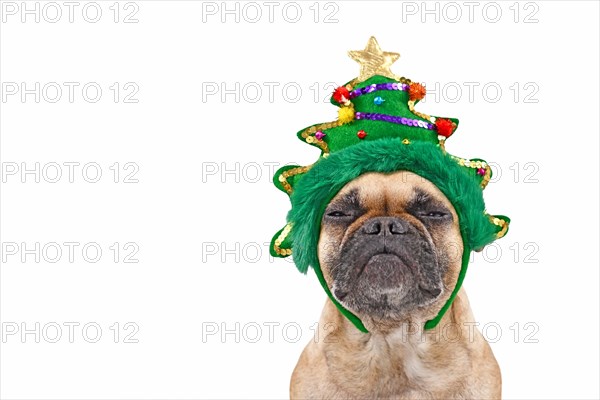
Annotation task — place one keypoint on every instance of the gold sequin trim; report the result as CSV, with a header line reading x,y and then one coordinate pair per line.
x,y
442,143
291,172
350,85
486,177
309,134
463,162
276,246
501,223
411,107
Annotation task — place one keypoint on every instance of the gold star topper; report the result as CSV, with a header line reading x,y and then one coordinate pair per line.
x,y
374,61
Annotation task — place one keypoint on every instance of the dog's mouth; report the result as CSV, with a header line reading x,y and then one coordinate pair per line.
x,y
387,278
385,271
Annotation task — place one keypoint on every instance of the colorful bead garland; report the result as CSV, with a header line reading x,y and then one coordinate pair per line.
x,y
394,119
376,87
346,113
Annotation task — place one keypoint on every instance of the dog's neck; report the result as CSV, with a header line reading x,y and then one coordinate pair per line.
x,y
405,355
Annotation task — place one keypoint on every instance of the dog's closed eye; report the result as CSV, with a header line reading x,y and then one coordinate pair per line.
x,y
345,208
337,214
433,214
424,206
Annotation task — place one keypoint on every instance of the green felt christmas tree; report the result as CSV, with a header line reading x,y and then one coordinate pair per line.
x,y
378,129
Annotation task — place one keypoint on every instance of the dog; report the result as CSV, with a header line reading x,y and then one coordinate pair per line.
x,y
390,250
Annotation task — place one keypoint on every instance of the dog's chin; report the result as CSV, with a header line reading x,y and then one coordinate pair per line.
x,y
387,272
385,287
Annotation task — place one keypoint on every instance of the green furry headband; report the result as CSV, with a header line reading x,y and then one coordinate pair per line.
x,y
378,130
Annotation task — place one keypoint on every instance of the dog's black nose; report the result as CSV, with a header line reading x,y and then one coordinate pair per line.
x,y
384,226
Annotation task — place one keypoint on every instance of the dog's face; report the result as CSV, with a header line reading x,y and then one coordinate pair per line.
x,y
390,247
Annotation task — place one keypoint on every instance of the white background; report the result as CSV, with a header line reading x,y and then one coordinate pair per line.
x,y
201,232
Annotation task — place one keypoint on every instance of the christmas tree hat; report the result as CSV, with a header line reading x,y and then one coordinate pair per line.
x,y
378,129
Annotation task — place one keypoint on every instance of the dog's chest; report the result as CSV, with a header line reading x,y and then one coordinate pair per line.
x,y
413,365
404,363
390,368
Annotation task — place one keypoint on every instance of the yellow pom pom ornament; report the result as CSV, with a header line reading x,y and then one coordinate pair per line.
x,y
346,114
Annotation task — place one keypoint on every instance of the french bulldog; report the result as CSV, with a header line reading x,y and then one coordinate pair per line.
x,y
390,250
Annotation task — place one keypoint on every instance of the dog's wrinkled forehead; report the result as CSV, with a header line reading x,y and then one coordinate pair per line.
x,y
385,192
